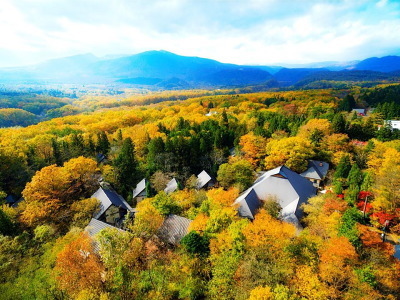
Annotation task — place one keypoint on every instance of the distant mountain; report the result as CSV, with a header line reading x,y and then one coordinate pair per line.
x,y
166,70
383,64
288,77
147,68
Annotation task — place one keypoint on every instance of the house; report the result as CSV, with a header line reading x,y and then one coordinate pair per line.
x,y
204,180
94,227
139,193
316,171
113,208
173,229
211,113
289,188
393,124
11,199
360,111
172,186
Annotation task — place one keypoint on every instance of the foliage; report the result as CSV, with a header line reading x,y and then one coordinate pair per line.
x,y
165,204
195,243
292,152
58,163
238,173
78,267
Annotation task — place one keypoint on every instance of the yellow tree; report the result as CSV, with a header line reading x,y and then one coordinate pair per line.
x,y
387,181
293,152
323,126
253,147
78,267
147,219
337,256
83,176
268,231
43,195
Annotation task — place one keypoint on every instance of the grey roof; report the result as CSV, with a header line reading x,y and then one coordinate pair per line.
x,y
316,170
108,197
140,187
248,208
94,227
290,189
173,229
359,110
202,179
172,186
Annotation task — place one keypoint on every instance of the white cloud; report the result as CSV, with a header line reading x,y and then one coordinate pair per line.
x,y
248,32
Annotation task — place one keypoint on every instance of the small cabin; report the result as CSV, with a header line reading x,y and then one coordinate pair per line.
x,y
316,172
139,193
204,181
113,208
172,186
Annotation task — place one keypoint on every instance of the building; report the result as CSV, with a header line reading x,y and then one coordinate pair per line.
x,y
204,180
316,172
360,111
113,208
173,229
289,188
393,124
11,199
139,193
172,186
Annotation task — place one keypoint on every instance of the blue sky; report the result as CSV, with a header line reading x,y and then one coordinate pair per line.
x,y
263,32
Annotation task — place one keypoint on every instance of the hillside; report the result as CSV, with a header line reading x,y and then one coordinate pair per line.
x,y
150,241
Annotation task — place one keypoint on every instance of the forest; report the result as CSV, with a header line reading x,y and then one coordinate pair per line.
x,y
56,149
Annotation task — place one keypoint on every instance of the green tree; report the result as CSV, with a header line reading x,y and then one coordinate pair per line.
x,y
103,144
165,204
7,226
126,167
343,168
196,244
239,173
339,123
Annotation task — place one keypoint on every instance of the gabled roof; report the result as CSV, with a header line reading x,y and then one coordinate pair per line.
x,y
95,226
108,197
359,110
316,170
202,179
173,229
290,189
140,187
172,186
11,199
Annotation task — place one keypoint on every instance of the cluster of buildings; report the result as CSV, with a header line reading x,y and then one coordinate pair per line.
x,y
285,186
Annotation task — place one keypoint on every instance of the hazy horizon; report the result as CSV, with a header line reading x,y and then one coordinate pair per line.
x,y
255,32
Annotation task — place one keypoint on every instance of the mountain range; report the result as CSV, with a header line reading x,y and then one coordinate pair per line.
x,y
166,70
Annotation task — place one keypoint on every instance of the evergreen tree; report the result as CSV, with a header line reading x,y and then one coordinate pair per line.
x,y
126,167
355,176
347,103
339,123
103,145
56,152
90,147
154,148
343,168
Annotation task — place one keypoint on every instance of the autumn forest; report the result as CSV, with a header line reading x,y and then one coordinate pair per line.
x,y
59,146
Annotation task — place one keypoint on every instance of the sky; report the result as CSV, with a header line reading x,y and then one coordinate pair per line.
x,y
255,32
